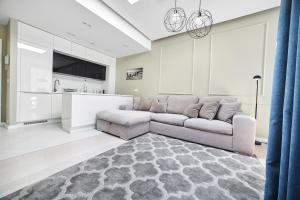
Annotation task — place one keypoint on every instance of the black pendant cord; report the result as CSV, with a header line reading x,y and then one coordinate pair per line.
x,y
175,4
200,8
199,5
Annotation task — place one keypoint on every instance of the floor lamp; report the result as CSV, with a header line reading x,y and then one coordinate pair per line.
x,y
257,78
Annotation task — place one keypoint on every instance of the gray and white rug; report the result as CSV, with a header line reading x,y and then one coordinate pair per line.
x,y
154,167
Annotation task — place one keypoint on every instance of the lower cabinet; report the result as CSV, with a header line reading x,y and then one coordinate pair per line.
x,y
34,106
56,100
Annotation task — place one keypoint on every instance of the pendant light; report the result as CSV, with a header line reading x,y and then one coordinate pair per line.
x,y
199,23
175,19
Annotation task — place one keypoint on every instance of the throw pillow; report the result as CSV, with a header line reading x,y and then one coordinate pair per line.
x,y
209,110
157,107
228,110
145,104
192,111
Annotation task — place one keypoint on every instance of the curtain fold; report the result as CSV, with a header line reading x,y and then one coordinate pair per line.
x,y
282,172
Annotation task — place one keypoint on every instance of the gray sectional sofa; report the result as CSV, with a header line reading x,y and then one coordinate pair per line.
x,y
237,136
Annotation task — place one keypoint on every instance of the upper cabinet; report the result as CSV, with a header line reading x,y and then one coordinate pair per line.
x,y
35,67
78,50
34,35
94,56
62,45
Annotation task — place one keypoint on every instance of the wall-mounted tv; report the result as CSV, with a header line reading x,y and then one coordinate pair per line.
x,y
73,66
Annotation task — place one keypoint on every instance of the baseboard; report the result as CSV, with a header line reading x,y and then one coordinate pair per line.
x,y
262,140
20,125
15,126
80,128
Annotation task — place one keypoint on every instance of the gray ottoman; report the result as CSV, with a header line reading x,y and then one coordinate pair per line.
x,y
125,124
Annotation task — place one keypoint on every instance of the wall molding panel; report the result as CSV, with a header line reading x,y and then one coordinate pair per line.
x,y
235,59
173,70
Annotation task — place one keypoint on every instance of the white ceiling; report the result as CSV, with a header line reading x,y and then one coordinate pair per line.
x,y
147,15
61,16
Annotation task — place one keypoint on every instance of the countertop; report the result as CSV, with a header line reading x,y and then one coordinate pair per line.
x,y
94,94
80,93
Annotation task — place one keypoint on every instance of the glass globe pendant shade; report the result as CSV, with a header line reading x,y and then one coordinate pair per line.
x,y
199,24
175,19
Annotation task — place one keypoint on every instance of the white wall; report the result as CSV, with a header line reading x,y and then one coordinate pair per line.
x,y
223,63
78,83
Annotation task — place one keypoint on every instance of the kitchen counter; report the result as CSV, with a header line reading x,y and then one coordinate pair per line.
x,y
79,110
94,94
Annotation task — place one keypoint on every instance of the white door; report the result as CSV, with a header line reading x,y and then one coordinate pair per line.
x,y
34,107
35,64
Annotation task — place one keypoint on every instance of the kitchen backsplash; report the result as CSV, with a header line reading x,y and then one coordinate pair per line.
x,y
78,83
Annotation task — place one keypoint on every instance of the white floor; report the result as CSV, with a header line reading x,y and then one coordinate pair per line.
x,y
15,142
48,150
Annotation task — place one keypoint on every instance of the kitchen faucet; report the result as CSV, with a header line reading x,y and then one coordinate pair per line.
x,y
56,84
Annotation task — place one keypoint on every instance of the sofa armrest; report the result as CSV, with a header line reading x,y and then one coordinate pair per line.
x,y
244,131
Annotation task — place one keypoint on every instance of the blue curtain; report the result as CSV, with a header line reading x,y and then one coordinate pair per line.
x,y
283,157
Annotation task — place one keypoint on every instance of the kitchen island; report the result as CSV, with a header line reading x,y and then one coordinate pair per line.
x,y
79,109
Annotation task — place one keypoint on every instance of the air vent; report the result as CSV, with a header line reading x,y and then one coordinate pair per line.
x,y
35,122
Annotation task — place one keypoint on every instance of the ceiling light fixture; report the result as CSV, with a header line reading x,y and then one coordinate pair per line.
x,y
175,19
31,48
132,1
199,23
71,34
87,24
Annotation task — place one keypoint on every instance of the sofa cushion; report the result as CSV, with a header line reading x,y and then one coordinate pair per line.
x,y
209,110
214,126
145,104
228,110
157,107
124,117
160,98
177,104
192,111
173,119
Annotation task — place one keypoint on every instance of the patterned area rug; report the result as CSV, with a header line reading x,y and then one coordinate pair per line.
x,y
154,167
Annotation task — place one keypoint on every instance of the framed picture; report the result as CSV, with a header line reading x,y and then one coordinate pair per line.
x,y
134,74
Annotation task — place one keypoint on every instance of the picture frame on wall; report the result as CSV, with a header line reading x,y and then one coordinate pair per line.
x,y
134,73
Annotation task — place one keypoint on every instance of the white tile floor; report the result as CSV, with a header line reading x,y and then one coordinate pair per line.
x,y
33,153
15,142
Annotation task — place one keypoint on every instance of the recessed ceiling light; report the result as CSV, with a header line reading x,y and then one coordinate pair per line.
x,y
92,43
132,1
87,24
71,34
125,45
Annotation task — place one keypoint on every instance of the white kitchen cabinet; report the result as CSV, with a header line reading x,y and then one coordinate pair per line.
x,y
34,35
62,45
35,67
94,56
56,107
78,50
34,107
107,60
